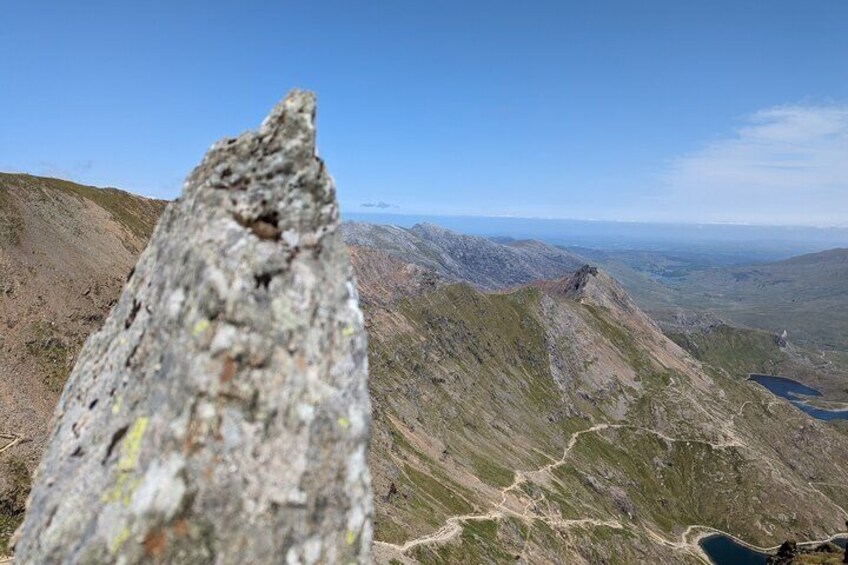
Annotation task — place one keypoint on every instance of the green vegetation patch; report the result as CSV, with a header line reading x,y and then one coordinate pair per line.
x,y
640,476
736,350
8,525
428,486
424,496
741,351
490,472
53,353
388,530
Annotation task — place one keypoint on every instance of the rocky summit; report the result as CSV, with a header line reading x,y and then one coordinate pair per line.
x,y
221,413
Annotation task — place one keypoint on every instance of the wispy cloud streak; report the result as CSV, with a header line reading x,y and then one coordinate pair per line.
x,y
786,164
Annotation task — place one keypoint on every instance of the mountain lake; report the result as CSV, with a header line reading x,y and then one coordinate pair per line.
x,y
723,550
794,392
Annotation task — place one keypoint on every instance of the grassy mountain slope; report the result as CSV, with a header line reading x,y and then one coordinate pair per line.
x,y
739,351
65,251
548,424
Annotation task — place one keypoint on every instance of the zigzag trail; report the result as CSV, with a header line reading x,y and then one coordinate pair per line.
x,y
811,483
453,525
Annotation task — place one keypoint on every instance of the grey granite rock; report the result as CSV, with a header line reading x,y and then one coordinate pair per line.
x,y
221,415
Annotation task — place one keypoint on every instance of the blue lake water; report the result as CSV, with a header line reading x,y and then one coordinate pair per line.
x,y
723,550
795,392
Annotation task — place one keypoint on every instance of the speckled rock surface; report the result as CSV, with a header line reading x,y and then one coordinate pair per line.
x,y
221,415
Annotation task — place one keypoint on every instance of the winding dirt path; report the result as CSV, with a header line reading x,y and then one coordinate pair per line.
x,y
812,483
453,525
450,530
688,541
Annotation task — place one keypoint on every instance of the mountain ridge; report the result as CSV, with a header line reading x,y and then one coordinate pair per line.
x,y
473,259
839,254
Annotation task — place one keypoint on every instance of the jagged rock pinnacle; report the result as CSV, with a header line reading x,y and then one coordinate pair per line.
x,y
221,414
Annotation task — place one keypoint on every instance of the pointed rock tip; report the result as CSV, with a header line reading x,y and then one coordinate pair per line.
x,y
299,105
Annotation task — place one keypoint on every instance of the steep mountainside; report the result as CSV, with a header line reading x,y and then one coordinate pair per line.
x,y
479,261
383,280
65,252
552,423
557,423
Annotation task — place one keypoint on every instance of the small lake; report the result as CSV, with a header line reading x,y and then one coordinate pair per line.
x,y
794,392
723,550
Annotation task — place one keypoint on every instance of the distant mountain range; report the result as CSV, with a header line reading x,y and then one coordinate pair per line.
x,y
807,296
747,243
479,261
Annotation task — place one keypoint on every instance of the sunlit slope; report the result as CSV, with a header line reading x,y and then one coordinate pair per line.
x,y
551,423
65,252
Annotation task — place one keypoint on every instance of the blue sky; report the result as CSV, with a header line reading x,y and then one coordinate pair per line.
x,y
695,111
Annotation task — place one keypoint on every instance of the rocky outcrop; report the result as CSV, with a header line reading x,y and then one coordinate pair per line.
x,y
790,553
785,554
221,414
594,287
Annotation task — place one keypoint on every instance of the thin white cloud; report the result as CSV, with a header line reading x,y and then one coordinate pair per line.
x,y
784,165
381,205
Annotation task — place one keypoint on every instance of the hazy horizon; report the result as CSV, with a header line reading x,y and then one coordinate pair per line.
x,y
843,226
750,243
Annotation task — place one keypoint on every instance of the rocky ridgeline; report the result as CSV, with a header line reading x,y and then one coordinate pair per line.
x,y
221,414
479,261
594,287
